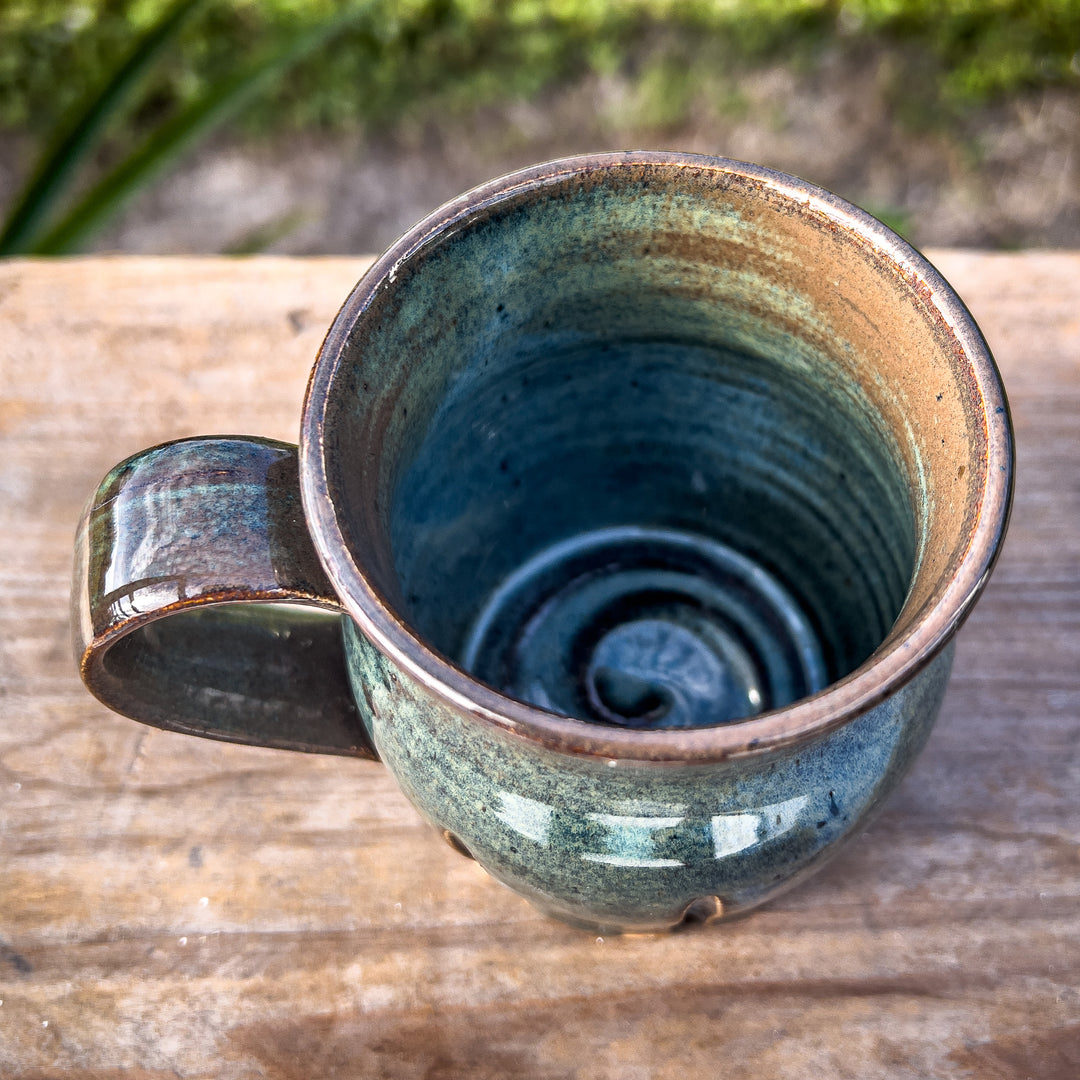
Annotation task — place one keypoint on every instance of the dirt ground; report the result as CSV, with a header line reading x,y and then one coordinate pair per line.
x,y
1006,176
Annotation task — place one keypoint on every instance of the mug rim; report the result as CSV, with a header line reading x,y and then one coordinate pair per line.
x,y
892,665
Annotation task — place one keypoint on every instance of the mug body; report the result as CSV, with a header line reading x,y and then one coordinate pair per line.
x,y
655,487
614,845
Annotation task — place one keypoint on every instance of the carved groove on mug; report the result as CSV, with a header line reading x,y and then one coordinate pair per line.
x,y
702,911
457,844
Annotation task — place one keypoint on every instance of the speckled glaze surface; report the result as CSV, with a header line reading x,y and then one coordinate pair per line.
x,y
653,487
614,845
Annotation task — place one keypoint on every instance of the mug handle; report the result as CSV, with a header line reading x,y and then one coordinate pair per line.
x,y
199,603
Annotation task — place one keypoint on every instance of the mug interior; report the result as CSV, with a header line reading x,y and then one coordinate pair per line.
x,y
649,446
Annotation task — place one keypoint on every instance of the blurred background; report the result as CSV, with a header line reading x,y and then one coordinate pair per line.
x,y
312,126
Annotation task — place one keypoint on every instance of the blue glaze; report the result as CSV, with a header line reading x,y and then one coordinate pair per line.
x,y
609,399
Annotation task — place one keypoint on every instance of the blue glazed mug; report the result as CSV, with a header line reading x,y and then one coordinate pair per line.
x,y
646,492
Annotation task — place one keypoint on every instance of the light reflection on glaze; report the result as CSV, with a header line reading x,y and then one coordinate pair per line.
x,y
630,840
634,824
530,818
167,515
737,832
630,860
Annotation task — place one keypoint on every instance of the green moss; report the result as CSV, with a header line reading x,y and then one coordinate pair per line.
x,y
452,55
983,48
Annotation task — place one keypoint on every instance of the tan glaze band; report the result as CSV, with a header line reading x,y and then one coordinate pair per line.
x,y
199,604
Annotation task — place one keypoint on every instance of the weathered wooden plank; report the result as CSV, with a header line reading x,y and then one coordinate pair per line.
x,y
175,907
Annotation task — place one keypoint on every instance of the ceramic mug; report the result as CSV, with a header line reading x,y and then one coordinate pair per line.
x,y
651,489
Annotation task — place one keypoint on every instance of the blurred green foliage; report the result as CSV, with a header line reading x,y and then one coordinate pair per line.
x,y
38,223
452,55
115,91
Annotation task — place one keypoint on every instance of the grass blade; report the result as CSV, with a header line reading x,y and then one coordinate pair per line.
x,y
38,200
175,136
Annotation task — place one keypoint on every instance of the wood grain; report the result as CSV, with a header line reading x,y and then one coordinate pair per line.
x,y
171,907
